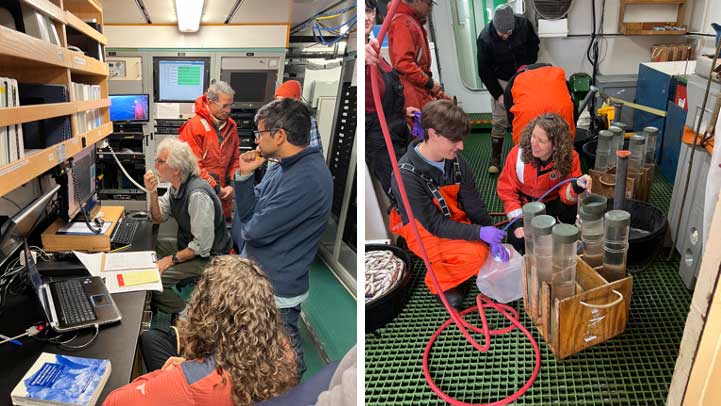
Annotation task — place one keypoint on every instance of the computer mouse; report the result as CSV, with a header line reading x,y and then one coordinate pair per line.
x,y
139,215
98,222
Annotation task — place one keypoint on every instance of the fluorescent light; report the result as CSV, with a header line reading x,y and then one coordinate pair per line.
x,y
189,12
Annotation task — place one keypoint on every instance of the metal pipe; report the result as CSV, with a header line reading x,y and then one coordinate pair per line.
x,y
617,109
591,93
619,196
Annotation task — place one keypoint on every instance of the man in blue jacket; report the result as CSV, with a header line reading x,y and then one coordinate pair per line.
x,y
279,222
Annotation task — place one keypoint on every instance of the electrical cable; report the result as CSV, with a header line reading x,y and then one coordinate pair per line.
x,y
12,201
693,151
456,318
83,346
122,168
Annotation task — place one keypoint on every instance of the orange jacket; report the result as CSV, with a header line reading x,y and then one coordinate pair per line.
x,y
217,150
537,90
410,55
521,182
194,383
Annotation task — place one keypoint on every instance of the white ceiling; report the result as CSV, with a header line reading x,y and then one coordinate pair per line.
x,y
216,11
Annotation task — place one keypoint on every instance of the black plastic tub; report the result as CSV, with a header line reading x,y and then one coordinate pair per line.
x,y
385,308
648,228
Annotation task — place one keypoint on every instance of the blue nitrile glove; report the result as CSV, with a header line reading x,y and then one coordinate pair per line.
x,y
500,252
491,235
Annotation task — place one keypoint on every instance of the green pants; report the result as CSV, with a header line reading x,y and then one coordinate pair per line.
x,y
168,301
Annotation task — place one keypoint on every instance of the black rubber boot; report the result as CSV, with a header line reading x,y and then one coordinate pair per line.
x,y
496,148
455,295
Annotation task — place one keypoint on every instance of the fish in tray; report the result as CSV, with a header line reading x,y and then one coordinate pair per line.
x,y
383,271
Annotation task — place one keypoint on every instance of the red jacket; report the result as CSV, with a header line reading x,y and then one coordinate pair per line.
x,y
539,89
194,383
217,150
410,55
521,182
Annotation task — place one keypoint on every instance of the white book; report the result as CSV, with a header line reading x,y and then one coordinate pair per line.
x,y
12,146
4,131
18,127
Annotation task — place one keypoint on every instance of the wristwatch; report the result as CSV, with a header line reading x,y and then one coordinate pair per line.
x,y
175,260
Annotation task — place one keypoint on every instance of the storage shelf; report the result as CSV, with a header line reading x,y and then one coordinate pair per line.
x,y
18,173
46,7
81,26
18,45
80,63
98,134
26,114
84,6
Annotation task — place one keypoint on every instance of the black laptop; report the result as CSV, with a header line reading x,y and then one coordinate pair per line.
x,y
75,303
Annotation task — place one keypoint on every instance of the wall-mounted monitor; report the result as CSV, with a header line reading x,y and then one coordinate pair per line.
x,y
129,107
253,88
180,79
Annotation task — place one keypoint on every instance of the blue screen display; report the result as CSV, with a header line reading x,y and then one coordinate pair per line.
x,y
129,107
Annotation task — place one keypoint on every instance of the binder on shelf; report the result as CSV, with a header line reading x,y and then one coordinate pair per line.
x,y
11,142
39,25
45,133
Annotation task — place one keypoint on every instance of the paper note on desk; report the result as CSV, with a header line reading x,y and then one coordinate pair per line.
x,y
137,277
123,261
80,228
94,263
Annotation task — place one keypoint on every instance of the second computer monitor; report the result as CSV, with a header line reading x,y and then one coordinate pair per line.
x,y
80,183
129,107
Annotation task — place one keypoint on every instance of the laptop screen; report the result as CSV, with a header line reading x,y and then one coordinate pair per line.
x,y
35,279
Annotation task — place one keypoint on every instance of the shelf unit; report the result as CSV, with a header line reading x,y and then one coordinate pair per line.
x,y
32,60
647,28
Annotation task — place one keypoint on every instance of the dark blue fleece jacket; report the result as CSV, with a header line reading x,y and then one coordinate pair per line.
x,y
279,223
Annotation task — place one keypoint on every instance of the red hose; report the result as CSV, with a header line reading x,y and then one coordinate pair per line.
x,y
456,318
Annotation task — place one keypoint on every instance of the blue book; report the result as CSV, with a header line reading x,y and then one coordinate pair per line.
x,y
57,379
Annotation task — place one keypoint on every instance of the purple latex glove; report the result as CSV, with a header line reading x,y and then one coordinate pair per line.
x,y
491,235
499,251
417,130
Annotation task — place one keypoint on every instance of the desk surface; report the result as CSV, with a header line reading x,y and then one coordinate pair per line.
x,y
117,342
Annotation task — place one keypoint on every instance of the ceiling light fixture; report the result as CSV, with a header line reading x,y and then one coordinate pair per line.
x,y
189,12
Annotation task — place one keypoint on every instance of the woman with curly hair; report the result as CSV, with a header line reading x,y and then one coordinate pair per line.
x,y
544,158
235,349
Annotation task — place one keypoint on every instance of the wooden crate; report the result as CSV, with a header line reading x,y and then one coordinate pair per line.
x,y
604,183
597,312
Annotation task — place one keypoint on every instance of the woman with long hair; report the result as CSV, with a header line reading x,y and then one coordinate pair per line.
x,y
235,349
544,158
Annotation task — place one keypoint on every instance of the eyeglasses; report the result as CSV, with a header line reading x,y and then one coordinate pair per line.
x,y
222,106
259,133
160,161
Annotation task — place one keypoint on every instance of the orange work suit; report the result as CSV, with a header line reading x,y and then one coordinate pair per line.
x,y
453,261
217,149
410,55
538,89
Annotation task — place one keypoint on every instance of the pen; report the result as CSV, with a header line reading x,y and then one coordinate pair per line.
x,y
120,249
16,342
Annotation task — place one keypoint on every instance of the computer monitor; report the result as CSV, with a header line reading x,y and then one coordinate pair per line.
x,y
21,225
252,88
180,79
129,107
79,190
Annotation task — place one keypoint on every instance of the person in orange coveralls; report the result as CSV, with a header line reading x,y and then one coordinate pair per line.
x,y
410,53
213,137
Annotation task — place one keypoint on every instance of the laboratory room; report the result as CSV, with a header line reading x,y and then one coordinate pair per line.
x,y
178,202
542,214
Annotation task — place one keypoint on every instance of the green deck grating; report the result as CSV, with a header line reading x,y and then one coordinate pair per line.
x,y
633,368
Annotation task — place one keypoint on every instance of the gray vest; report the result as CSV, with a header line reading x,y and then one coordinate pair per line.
x,y
179,211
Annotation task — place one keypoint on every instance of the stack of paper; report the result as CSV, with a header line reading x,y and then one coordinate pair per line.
x,y
124,271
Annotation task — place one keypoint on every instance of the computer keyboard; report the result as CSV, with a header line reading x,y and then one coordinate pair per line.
x,y
74,302
124,232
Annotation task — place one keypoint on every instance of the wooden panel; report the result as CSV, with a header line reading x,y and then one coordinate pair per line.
x,y
18,173
93,243
647,29
81,26
17,45
87,6
80,63
655,1
582,326
25,114
48,8
98,134
91,104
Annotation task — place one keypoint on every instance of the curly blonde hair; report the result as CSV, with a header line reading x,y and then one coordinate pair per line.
x,y
232,317
559,133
